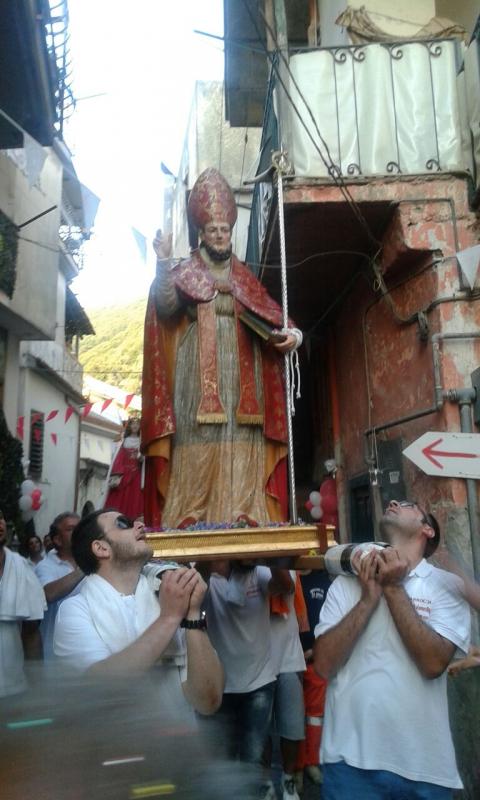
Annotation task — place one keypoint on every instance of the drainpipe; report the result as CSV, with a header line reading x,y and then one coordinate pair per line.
x,y
436,338
464,398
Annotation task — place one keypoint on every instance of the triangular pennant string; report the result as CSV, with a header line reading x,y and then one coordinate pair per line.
x,y
86,409
54,438
52,415
128,399
105,405
68,413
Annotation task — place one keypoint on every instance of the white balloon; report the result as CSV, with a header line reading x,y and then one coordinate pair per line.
x,y
315,498
27,516
25,503
316,512
27,487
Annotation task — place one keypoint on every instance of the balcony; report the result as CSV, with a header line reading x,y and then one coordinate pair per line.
x,y
54,361
378,110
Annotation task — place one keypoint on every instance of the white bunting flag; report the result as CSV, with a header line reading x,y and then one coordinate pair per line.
x,y
141,241
469,261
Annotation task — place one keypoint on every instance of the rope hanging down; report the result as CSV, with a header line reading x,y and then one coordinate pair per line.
x,y
283,167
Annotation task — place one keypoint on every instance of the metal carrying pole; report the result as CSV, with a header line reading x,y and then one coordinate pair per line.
x,y
282,167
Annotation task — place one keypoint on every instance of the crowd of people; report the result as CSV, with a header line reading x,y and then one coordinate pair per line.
x,y
347,682
223,642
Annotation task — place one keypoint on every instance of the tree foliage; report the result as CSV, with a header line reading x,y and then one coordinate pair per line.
x,y
115,354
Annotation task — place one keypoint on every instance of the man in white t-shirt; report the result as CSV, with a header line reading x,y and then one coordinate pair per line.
x,y
117,626
58,573
384,641
22,604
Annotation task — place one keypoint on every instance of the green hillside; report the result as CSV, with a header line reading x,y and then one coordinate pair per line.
x,y
115,354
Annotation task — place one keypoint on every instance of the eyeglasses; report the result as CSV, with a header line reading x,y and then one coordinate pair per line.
x,y
123,523
407,504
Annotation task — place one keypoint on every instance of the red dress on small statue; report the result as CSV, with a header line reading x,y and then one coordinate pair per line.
x,y
127,496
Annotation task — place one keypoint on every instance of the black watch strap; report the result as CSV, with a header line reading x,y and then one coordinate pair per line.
x,y
195,624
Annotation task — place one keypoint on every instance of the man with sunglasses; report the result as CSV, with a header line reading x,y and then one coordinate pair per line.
x,y
116,625
384,641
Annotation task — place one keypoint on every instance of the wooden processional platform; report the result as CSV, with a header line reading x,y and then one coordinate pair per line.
x,y
300,546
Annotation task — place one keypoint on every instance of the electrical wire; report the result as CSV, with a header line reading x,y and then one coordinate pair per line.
x,y
40,244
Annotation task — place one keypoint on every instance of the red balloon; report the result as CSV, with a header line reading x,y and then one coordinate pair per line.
x,y
309,505
36,504
328,487
36,494
330,504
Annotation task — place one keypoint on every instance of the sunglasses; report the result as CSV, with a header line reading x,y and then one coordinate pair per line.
x,y
407,504
123,523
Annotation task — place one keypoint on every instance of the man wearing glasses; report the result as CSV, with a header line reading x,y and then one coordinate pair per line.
x,y
116,625
384,641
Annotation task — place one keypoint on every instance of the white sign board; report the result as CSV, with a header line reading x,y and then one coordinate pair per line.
x,y
447,455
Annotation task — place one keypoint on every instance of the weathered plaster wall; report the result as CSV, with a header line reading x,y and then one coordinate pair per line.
x,y
399,364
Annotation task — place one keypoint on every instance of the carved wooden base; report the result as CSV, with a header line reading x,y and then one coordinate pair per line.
x,y
304,544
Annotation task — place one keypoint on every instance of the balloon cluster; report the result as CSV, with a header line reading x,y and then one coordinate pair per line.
x,y
323,504
31,499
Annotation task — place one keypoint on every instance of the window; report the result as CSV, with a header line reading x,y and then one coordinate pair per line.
x,y
37,428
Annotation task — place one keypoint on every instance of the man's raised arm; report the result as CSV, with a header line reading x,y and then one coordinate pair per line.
x,y
333,648
430,651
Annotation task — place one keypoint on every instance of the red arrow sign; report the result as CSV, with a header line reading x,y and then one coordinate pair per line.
x,y
429,452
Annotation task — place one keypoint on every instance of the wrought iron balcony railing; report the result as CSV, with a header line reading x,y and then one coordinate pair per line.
x,y
375,109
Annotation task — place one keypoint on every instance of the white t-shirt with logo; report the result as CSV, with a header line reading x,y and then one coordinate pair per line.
x,y
380,712
238,618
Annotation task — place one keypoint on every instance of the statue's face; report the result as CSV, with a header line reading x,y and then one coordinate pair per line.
x,y
135,427
217,235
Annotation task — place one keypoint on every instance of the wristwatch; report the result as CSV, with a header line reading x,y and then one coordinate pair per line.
x,y
195,624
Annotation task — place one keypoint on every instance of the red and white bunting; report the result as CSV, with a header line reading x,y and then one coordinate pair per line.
x,y
54,438
86,409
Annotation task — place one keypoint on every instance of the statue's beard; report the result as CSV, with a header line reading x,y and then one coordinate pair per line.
x,y
217,255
